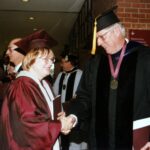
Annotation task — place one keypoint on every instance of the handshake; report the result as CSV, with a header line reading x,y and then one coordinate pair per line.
x,y
67,122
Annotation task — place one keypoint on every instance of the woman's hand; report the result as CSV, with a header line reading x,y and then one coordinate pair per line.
x,y
146,146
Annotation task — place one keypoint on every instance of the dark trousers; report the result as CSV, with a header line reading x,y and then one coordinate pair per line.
x,y
64,142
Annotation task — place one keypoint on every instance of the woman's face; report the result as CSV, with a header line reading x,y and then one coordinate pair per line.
x,y
42,65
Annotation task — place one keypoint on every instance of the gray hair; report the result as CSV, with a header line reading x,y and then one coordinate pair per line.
x,y
121,26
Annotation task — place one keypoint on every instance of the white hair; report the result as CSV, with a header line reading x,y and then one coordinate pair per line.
x,y
120,25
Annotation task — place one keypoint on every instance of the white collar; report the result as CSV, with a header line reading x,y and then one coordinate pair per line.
x,y
17,67
28,74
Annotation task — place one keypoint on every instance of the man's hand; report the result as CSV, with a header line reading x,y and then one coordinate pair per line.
x,y
66,122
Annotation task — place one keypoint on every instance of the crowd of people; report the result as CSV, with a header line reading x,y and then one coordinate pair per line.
x,y
104,106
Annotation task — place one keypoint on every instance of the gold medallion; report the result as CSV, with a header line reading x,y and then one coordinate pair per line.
x,y
114,84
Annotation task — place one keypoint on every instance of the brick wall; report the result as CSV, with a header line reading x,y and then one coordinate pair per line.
x,y
135,14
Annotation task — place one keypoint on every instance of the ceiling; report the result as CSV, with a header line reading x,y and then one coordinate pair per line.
x,y
55,16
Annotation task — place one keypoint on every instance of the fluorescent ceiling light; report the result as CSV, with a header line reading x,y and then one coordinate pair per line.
x,y
31,18
25,0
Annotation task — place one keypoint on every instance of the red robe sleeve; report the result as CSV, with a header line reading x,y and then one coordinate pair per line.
x,y
140,137
26,119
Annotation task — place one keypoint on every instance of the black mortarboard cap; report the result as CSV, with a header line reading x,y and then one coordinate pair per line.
x,y
107,19
103,21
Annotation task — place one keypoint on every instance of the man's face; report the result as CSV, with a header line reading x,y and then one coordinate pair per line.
x,y
11,53
107,38
66,65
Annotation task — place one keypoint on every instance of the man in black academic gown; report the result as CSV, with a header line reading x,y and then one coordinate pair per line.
x,y
115,89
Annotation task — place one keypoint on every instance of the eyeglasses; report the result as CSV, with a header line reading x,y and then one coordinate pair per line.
x,y
104,35
47,59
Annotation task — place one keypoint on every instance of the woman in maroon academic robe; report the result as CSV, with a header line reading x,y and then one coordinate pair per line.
x,y
27,121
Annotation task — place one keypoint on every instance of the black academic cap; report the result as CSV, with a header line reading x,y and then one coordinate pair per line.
x,y
107,19
38,39
103,21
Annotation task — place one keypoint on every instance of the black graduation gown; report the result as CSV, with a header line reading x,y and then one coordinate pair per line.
x,y
112,112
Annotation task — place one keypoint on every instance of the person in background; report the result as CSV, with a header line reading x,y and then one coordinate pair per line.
x,y
67,81
15,53
115,89
27,117
66,85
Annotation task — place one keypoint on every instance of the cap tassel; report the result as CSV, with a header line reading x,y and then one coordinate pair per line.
x,y
94,38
